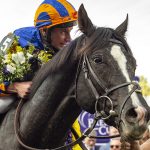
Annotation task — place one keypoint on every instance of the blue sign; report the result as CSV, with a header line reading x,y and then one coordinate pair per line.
x,y
102,129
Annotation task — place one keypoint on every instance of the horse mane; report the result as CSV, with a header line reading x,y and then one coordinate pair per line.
x,y
100,38
75,49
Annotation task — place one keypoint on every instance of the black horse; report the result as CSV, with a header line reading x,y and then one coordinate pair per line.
x,y
98,68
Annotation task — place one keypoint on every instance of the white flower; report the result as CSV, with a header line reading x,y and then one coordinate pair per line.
x,y
10,68
29,55
15,58
13,65
19,58
16,62
6,59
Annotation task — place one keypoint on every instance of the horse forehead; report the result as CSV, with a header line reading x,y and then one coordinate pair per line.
x,y
120,59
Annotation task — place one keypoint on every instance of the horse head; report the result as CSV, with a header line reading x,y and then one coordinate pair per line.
x,y
105,79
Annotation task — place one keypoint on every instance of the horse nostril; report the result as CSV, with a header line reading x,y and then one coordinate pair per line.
x,y
131,115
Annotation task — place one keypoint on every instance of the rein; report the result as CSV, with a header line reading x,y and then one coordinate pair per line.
x,y
83,136
17,132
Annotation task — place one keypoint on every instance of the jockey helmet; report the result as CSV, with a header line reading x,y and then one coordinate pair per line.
x,y
55,12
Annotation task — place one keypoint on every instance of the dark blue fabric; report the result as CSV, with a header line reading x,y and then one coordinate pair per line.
x,y
29,35
58,6
43,16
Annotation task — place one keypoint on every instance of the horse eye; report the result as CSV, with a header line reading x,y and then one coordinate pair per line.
x,y
98,60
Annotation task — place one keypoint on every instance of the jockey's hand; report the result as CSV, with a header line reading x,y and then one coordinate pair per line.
x,y
134,145
21,88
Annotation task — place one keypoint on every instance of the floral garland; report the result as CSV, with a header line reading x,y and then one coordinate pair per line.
x,y
17,61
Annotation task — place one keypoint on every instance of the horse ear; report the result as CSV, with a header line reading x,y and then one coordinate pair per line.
x,y
84,22
121,29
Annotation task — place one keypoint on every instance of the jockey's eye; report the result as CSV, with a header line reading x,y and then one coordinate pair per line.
x,y
98,59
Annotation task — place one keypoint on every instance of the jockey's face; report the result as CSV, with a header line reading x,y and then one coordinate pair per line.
x,y
60,37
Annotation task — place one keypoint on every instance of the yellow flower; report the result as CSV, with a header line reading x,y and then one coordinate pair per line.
x,y
7,58
44,56
19,49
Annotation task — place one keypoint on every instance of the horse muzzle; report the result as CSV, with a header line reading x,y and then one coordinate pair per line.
x,y
134,123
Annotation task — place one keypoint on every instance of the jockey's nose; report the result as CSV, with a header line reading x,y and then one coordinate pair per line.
x,y
68,38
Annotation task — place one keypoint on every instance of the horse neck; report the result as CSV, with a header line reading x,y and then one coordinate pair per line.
x,y
61,122
47,112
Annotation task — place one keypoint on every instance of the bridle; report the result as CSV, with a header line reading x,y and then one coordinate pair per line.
x,y
87,69
88,72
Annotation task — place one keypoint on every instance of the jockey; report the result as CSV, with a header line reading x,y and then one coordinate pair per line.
x,y
53,21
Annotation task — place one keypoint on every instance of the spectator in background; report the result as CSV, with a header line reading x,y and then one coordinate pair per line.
x,y
90,143
112,131
115,144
